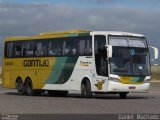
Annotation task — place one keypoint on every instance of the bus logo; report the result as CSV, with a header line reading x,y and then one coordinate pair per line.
x,y
36,63
85,63
99,85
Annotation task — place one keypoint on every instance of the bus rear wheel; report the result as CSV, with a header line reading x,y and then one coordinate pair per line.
x,y
86,89
19,85
28,90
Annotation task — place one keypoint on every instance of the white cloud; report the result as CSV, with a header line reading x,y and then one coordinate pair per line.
x,y
35,18
97,1
30,19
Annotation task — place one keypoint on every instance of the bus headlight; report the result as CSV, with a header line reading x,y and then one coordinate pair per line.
x,y
147,80
114,79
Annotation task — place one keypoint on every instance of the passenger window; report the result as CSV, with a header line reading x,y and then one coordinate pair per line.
x,y
82,47
28,49
55,48
88,50
70,47
41,48
44,48
38,49
85,46
9,49
18,49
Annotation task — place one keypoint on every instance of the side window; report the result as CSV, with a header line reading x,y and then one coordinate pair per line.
x,y
88,49
100,42
82,44
70,46
41,48
85,46
18,51
28,48
9,49
55,47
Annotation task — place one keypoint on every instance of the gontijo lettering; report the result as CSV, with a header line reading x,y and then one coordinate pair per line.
x,y
36,63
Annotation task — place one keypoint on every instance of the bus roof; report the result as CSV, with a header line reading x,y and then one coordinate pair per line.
x,y
70,33
67,33
115,33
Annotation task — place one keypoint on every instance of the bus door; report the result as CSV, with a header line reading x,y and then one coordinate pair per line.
x,y
101,62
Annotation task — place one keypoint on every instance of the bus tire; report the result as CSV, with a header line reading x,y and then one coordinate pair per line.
x,y
19,85
28,87
86,89
123,95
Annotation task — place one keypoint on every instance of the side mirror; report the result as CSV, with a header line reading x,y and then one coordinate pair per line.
x,y
155,53
109,51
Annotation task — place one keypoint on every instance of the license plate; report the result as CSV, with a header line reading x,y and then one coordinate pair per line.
x,y
132,87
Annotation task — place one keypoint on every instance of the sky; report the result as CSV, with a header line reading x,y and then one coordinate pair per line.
x,y
30,17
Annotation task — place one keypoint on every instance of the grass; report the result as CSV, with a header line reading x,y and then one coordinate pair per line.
x,y
155,72
0,77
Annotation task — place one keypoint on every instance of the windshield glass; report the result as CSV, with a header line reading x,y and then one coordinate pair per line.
x,y
130,60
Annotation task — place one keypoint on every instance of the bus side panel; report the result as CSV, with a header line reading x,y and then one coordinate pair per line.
x,y
6,79
71,75
8,73
39,70
61,72
35,68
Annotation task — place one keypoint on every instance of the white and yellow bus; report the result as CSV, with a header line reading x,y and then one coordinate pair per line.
x,y
77,60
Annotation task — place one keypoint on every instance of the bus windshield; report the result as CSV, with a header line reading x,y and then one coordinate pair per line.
x,y
130,61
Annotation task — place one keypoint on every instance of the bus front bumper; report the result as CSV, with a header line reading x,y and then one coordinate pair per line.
x,y
119,87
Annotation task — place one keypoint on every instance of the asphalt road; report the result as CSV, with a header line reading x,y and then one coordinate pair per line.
x,y
13,103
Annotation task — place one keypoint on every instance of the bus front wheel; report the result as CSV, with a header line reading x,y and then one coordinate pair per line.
x,y
86,89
